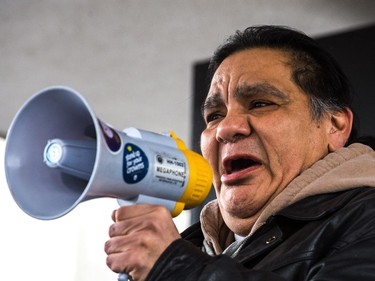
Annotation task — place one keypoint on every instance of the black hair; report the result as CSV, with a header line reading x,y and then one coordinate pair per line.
x,y
314,70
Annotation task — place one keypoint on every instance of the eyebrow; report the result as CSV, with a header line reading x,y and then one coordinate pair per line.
x,y
211,102
245,91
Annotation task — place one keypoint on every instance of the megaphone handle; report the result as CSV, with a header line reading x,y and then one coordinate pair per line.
x,y
124,277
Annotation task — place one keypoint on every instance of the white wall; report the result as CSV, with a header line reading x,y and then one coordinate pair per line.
x,y
132,60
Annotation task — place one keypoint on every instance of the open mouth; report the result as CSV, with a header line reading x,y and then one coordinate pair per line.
x,y
238,164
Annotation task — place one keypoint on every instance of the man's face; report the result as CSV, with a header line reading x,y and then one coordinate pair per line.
x,y
260,133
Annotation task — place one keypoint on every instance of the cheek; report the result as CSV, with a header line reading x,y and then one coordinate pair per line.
x,y
279,152
292,153
209,148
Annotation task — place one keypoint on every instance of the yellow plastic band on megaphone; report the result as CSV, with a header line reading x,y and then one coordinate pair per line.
x,y
179,207
180,144
200,177
200,180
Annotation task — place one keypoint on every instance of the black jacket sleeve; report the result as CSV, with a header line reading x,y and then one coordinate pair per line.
x,y
328,237
184,261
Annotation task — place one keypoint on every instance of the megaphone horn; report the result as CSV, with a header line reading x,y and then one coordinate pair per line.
x,y
58,154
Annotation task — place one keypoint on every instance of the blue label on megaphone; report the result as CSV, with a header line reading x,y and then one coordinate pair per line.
x,y
135,165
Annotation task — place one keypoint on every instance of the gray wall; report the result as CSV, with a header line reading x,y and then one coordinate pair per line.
x,y
132,60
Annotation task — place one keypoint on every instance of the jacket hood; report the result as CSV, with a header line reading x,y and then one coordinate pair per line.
x,y
348,167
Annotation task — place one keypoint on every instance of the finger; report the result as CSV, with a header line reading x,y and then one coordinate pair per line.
x,y
116,244
127,257
125,212
115,264
113,216
138,237
152,222
134,211
121,228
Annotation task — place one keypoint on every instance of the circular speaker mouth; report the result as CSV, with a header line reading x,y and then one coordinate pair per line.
x,y
40,191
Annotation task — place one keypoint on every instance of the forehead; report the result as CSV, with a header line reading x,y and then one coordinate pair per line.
x,y
252,65
253,73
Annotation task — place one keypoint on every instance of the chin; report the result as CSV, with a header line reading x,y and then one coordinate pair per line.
x,y
239,204
238,209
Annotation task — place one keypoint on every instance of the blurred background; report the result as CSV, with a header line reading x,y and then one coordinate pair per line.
x,y
135,62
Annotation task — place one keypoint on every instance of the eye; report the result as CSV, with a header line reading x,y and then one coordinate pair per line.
x,y
213,117
263,106
260,104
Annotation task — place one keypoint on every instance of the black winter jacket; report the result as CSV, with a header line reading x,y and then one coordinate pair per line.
x,y
324,237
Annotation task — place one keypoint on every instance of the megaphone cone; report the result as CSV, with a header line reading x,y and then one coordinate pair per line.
x,y
58,154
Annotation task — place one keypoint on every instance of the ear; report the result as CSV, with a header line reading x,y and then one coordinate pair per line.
x,y
341,126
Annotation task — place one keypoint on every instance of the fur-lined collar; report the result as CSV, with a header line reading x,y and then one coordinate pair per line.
x,y
346,168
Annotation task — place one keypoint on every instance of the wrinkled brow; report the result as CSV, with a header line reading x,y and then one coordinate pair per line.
x,y
244,91
212,101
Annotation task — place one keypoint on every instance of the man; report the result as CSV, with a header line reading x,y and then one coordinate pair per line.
x,y
294,187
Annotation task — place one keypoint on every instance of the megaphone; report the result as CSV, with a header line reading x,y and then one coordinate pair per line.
x,y
59,154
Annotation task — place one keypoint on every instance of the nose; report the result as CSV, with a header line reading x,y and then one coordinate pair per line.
x,y
232,128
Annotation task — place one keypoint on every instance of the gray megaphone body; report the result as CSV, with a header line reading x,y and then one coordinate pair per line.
x,y
58,154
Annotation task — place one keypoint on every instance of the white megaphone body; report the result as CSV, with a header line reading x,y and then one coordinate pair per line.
x,y
58,154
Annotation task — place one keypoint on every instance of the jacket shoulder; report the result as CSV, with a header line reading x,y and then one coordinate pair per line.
x,y
193,234
320,205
